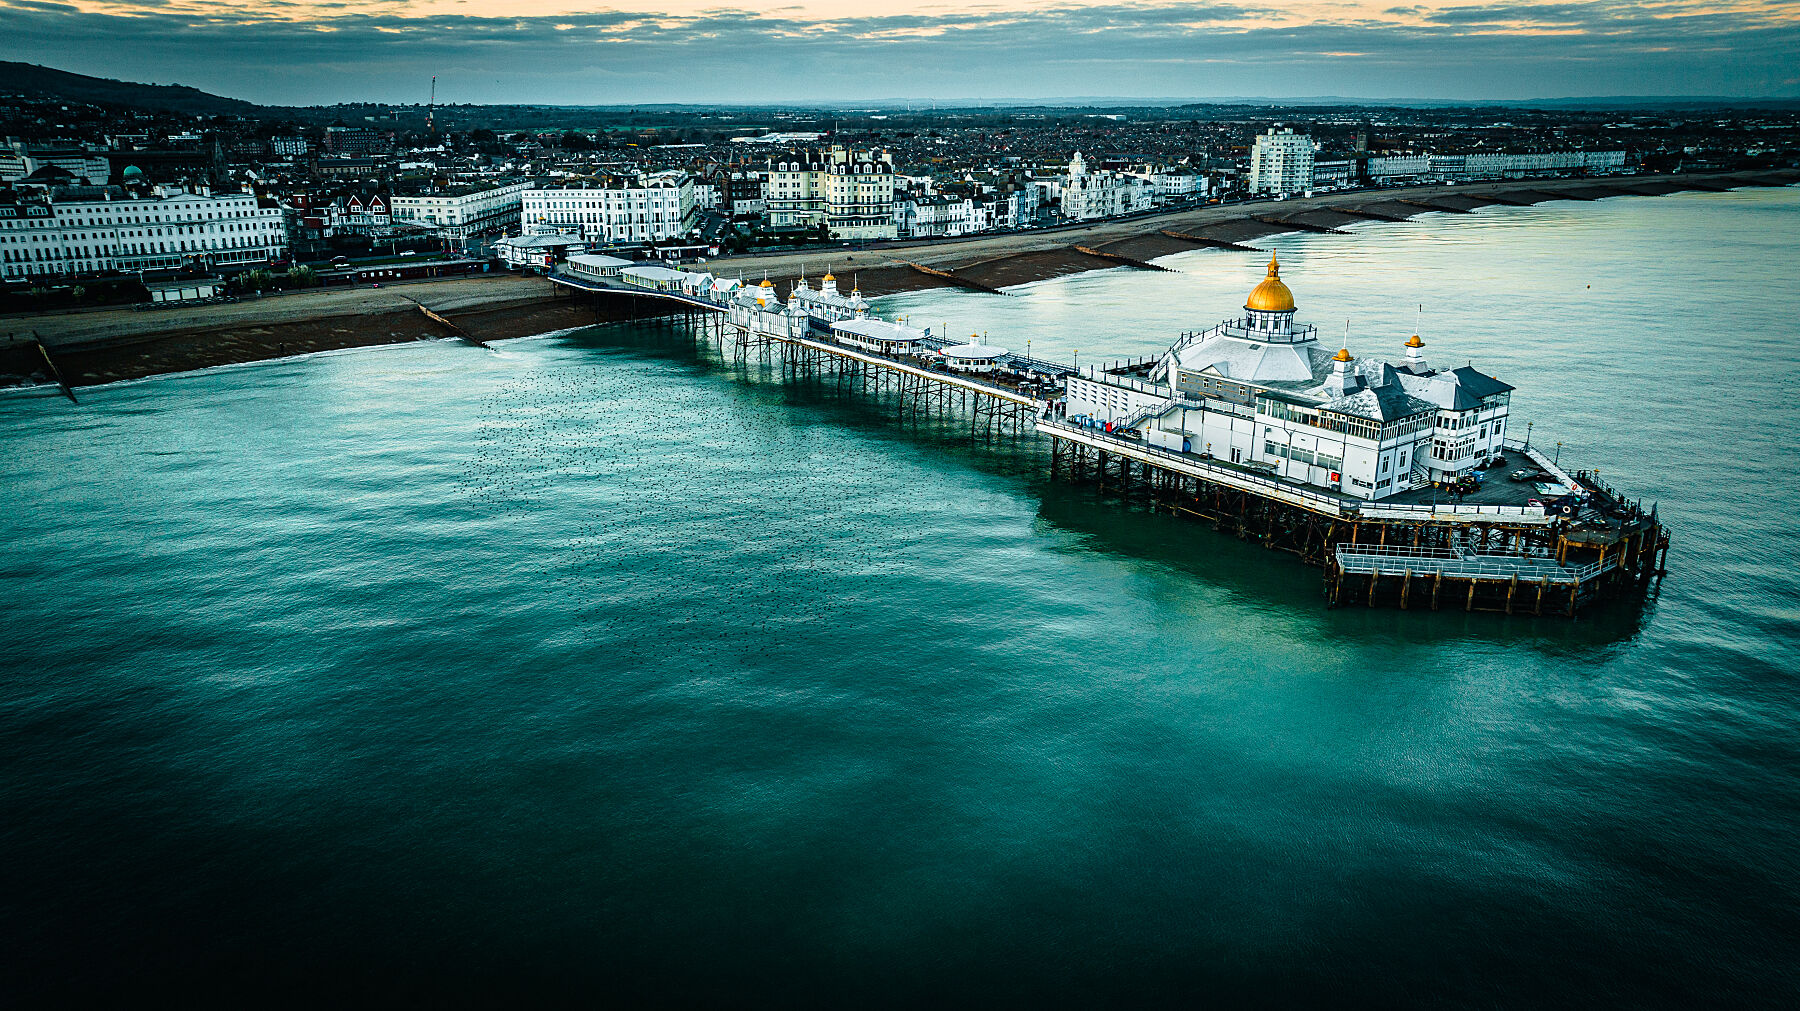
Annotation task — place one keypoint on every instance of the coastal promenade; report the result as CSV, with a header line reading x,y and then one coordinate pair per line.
x,y
109,345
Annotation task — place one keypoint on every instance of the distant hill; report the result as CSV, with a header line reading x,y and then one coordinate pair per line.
x,y
48,82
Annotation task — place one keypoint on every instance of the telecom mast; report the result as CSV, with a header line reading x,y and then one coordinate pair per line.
x,y
431,110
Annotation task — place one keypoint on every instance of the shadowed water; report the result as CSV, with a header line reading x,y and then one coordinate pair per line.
x,y
599,666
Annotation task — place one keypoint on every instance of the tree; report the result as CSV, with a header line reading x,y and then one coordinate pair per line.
x,y
302,276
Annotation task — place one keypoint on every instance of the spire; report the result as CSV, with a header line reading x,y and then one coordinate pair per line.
x,y
1274,268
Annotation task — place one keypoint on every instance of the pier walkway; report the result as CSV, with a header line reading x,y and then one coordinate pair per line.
x,y
707,303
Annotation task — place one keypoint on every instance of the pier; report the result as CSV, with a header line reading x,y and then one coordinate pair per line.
x,y
1549,545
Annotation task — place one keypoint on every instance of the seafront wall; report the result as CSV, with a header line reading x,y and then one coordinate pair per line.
x,y
112,345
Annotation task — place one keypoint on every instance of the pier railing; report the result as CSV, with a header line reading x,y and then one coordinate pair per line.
x,y
1369,560
1404,511
1198,467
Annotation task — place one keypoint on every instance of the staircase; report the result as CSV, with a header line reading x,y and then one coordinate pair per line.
x,y
1139,416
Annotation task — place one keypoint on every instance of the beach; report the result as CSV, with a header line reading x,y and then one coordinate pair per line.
x,y
109,345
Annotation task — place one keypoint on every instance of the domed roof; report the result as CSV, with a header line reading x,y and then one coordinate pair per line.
x,y
1343,355
132,172
1415,342
766,283
1271,295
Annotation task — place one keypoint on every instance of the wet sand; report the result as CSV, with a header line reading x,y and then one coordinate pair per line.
x,y
114,344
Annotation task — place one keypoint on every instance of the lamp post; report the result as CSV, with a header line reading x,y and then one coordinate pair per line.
x,y
1528,435
1558,459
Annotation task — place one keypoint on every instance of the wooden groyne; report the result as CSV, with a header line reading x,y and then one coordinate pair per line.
x,y
1428,205
1357,212
55,373
1515,201
945,275
448,325
1120,258
1298,226
1201,240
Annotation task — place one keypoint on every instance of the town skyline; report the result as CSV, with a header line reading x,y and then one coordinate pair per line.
x,y
825,52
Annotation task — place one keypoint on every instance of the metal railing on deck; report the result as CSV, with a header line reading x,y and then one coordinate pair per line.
x,y
1369,559
1218,473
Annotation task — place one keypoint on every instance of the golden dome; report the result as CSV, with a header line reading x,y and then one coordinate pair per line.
x,y
1415,342
828,277
1271,295
1343,355
767,283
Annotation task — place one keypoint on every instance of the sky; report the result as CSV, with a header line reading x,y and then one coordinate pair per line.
x,y
294,52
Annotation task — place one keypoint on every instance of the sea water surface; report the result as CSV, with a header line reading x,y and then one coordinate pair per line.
x,y
597,666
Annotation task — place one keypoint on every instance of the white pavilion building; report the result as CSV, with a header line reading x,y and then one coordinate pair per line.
x,y
1262,392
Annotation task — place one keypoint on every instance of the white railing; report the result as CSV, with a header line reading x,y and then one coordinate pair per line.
x,y
1217,473
1455,513
1143,413
1362,559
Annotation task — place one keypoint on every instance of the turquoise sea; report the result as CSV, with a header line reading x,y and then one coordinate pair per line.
x,y
597,668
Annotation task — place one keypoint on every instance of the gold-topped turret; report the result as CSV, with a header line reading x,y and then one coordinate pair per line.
x,y
1343,355
1271,295
1415,342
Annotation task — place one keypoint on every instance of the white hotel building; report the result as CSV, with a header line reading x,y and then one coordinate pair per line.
x,y
850,192
1281,162
90,229
613,211
465,212
1263,393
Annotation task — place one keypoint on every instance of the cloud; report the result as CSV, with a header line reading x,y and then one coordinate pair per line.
x,y
288,53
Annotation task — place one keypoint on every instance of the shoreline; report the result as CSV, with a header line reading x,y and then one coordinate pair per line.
x,y
116,345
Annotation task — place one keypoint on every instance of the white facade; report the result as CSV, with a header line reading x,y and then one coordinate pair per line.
x,y
82,231
538,250
1281,162
1085,195
850,192
619,211
826,303
1461,167
460,215
1174,186
937,217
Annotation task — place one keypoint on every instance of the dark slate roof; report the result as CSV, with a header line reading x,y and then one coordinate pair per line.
x,y
1478,384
